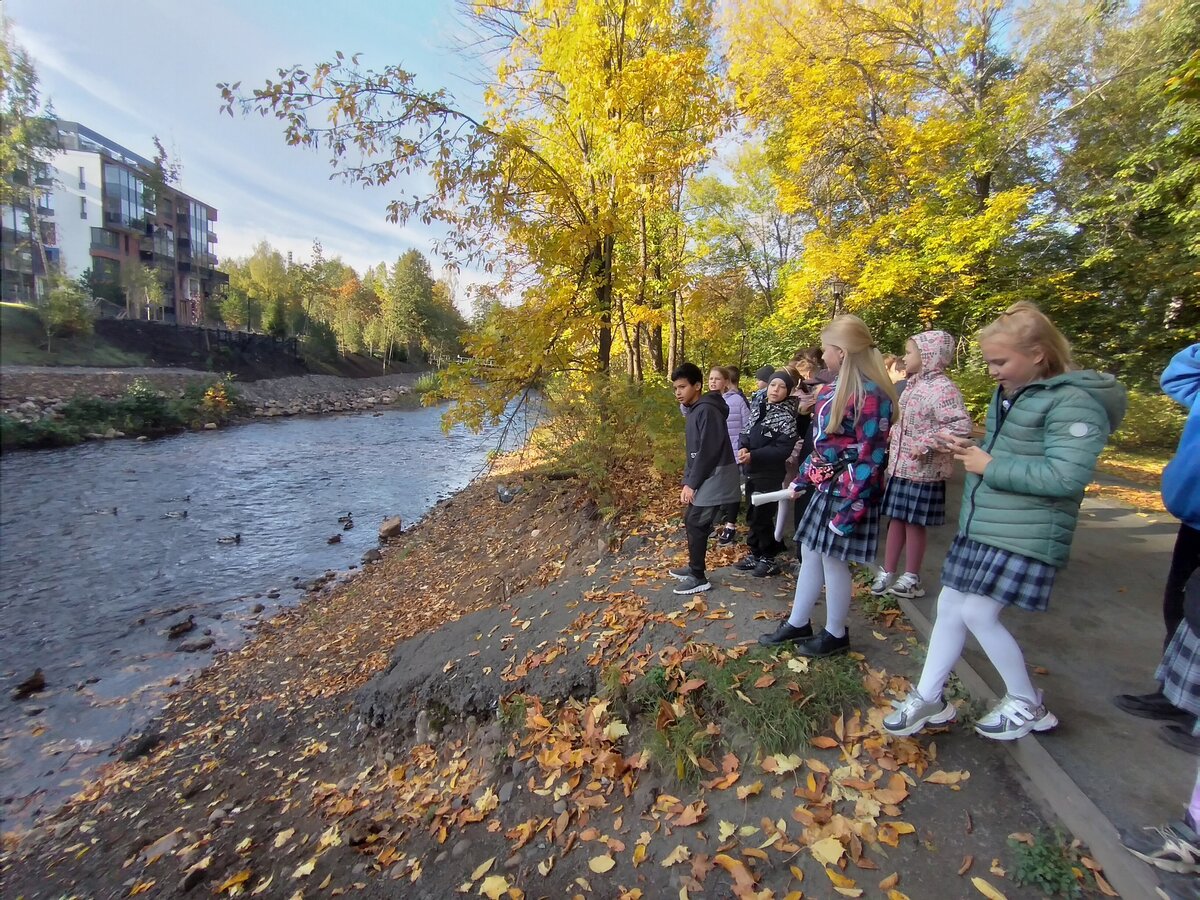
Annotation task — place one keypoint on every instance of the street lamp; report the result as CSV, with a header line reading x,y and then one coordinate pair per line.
x,y
837,289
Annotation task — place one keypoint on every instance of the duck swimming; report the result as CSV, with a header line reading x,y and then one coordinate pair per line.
x,y
230,539
175,515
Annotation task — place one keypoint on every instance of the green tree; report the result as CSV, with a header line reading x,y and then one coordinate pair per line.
x,y
68,309
144,295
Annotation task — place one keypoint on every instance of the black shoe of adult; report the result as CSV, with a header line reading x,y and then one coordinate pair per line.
x,y
1149,706
823,644
765,567
786,633
746,563
1181,736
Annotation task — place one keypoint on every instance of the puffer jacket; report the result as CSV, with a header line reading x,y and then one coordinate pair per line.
x,y
1044,451
1181,478
859,452
930,403
739,417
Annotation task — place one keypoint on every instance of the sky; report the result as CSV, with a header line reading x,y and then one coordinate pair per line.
x,y
150,67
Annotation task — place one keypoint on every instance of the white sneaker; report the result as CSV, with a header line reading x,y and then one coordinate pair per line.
x,y
914,712
880,585
908,586
1013,718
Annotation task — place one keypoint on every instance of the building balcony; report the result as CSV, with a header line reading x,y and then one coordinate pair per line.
x,y
44,181
125,223
45,211
212,237
183,220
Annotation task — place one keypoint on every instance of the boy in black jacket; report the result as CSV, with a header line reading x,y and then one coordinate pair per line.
x,y
764,449
710,476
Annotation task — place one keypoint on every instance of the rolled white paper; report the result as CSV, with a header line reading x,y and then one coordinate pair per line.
x,y
781,515
770,497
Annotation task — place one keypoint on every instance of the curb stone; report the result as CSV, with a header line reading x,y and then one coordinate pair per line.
x,y
1132,879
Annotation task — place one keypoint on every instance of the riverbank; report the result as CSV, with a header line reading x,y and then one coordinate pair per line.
x,y
512,701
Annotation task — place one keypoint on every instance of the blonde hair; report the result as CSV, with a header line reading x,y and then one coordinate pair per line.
x,y
1028,329
725,374
862,363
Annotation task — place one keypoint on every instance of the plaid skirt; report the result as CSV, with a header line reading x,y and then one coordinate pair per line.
x,y
816,535
1006,577
1179,670
915,502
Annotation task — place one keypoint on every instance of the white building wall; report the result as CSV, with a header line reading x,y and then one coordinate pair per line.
x,y
77,208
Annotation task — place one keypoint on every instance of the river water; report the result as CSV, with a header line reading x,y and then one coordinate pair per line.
x,y
97,560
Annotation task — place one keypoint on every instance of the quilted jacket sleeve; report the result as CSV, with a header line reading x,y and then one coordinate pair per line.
x,y
860,485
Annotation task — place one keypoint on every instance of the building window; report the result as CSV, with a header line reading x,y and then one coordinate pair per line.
x,y
102,237
83,207
82,178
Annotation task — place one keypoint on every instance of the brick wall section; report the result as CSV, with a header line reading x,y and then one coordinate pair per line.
x,y
18,383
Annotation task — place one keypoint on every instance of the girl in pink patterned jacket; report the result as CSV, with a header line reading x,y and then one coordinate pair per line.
x,y
917,465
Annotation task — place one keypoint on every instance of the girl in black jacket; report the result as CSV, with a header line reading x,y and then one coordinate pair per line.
x,y
763,451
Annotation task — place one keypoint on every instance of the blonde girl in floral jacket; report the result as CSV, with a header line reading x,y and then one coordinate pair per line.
x,y
918,464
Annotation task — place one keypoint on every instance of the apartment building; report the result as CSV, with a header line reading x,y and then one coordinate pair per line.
x,y
104,209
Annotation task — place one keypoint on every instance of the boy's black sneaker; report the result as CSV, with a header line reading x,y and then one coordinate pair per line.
x,y
823,644
746,563
1149,706
725,536
786,633
1181,736
766,566
692,585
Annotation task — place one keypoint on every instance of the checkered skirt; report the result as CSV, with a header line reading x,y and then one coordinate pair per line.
x,y
915,502
1179,670
1007,577
815,534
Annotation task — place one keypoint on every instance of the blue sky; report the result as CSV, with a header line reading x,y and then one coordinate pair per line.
x,y
145,67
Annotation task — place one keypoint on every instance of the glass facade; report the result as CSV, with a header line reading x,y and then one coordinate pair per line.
x,y
13,219
164,241
102,237
124,197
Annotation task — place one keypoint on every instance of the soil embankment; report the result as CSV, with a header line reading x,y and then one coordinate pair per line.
x,y
505,704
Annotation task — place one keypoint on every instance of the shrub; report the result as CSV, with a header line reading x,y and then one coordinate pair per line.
x,y
1152,422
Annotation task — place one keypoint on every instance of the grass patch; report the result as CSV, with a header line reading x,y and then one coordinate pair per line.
x,y
512,712
23,342
1143,467
677,746
1051,864
875,608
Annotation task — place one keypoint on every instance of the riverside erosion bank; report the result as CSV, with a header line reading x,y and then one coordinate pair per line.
x,y
30,393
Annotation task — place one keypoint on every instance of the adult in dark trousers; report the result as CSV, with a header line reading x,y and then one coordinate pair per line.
x,y
710,476
1181,495
763,451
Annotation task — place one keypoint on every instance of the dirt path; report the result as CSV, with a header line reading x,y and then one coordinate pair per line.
x,y
505,707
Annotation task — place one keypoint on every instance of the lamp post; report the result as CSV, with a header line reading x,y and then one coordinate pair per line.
x,y
837,290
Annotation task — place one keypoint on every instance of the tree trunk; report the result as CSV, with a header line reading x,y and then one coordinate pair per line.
x,y
673,346
656,349
604,291
637,352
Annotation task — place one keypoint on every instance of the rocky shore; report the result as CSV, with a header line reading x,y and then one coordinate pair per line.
x,y
30,394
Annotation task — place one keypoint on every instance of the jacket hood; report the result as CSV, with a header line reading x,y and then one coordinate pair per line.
x,y
715,400
936,349
1103,388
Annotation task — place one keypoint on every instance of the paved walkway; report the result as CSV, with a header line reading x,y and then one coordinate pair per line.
x,y
1102,636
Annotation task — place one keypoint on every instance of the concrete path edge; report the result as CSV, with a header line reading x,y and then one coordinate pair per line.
x,y
1132,879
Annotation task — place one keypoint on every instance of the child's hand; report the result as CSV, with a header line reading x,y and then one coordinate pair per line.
x,y
743,456
686,495
806,400
974,458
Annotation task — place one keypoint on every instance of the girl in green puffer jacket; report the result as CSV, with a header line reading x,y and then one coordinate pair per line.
x,y
1046,425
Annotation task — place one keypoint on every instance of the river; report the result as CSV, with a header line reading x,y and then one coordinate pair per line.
x,y
97,558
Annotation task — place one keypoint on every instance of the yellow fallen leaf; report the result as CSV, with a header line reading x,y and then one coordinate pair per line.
x,y
941,777
840,880
234,880
244,845
616,729
798,665
678,855
639,855
749,790
141,887
747,830
482,869
725,830
890,882
306,869
601,864
283,837
828,851
896,895
262,886
494,887
547,864
987,890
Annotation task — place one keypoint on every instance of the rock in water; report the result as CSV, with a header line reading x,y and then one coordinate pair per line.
x,y
34,684
181,628
390,528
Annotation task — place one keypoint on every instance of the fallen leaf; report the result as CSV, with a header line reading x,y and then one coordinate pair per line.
x,y
234,880
693,684
1105,888
949,778
828,851
283,837
890,882
547,864
987,890
494,887
601,864
1022,837
749,790
482,869
262,886
824,743
305,869
678,855
966,864
616,729
798,665
141,887
764,681
725,830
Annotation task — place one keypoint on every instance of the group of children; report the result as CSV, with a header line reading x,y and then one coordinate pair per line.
x,y
872,453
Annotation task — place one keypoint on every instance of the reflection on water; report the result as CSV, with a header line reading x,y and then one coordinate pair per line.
x,y
97,557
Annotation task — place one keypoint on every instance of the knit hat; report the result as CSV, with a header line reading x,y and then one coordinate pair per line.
x,y
785,376
765,373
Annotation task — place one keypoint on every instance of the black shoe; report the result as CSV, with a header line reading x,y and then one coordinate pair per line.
x,y
765,567
1149,706
824,644
746,563
786,633
725,536
1181,736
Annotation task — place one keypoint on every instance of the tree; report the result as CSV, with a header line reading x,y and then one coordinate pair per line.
x,y
144,295
67,309
594,114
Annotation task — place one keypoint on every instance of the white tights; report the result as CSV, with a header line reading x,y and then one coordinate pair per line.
x,y
817,571
958,613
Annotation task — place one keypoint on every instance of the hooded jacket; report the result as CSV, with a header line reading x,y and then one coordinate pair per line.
x,y
739,417
1044,450
710,469
1181,478
929,403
